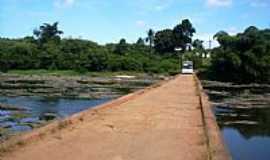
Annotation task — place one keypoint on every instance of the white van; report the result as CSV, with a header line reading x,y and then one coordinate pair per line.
x,y
187,67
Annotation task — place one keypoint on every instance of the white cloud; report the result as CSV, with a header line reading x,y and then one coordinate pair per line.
x,y
63,3
219,3
160,7
146,6
140,23
259,3
232,30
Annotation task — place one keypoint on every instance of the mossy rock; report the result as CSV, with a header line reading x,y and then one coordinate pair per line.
x,y
48,116
3,131
17,116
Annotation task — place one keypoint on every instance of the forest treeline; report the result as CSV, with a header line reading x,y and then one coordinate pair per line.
x,y
242,58
47,50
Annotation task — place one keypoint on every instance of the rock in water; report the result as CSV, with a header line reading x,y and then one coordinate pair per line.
x,y
48,116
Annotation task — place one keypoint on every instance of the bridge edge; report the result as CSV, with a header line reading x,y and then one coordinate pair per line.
x,y
38,133
216,145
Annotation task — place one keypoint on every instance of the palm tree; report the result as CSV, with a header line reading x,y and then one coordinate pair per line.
x,y
48,32
150,38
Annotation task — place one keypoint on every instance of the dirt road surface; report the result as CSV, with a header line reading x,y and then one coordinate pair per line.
x,y
164,123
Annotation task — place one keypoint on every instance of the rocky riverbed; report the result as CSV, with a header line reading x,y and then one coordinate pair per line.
x,y
15,118
19,118
238,96
245,108
30,101
243,115
73,86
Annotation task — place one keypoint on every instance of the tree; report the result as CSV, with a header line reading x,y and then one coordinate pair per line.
x,y
251,30
199,48
150,38
225,40
183,34
140,42
220,37
48,32
244,57
46,50
164,41
198,45
187,28
122,47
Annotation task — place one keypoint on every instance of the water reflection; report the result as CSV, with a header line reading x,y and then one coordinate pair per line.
x,y
249,122
246,131
36,108
241,148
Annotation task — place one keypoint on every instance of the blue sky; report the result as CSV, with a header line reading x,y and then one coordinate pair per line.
x,y
106,21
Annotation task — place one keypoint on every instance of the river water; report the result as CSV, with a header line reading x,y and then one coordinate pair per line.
x,y
36,108
246,131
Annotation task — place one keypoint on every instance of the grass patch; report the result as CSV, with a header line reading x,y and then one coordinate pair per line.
x,y
2,131
45,72
42,72
17,116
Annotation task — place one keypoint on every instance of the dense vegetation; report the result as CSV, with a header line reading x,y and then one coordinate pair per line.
x,y
47,50
242,58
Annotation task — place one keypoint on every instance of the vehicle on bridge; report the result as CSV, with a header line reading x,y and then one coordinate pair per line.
x,y
187,67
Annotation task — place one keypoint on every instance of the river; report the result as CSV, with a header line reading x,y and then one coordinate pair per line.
x,y
246,132
243,115
37,111
36,100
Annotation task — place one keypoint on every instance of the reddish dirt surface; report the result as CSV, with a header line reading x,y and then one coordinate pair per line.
x,y
164,123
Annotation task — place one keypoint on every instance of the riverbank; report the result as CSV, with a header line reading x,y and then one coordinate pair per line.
x,y
68,84
135,126
242,113
236,95
30,99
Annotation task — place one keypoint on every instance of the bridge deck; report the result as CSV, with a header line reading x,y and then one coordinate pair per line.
x,y
164,123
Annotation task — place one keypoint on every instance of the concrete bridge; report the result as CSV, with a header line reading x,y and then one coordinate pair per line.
x,y
171,120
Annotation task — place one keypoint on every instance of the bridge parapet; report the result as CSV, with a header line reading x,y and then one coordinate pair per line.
x,y
170,120
215,141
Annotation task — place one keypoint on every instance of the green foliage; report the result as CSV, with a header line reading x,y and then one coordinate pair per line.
x,y
242,58
48,32
46,51
150,38
183,34
140,42
79,55
179,37
195,57
198,45
16,54
170,66
164,41
122,47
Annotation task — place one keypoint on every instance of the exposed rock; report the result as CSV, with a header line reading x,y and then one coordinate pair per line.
x,y
238,95
76,87
222,86
11,108
48,116
2,131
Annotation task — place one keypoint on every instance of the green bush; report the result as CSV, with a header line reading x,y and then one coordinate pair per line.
x,y
243,58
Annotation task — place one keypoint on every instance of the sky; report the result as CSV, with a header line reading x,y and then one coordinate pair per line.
x,y
106,21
